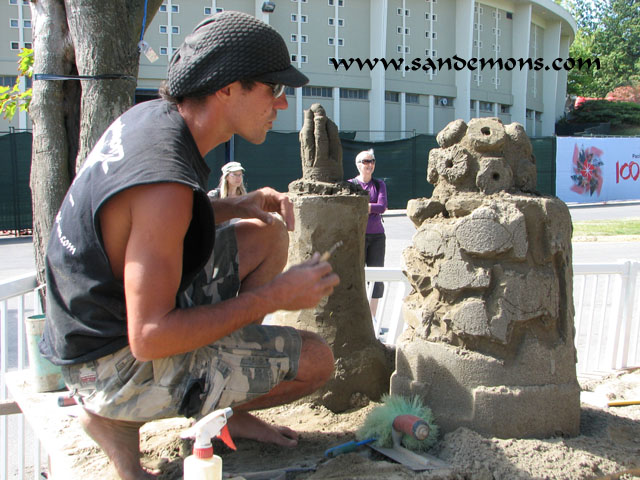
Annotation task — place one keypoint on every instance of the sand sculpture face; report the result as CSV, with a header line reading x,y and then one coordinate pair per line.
x,y
491,305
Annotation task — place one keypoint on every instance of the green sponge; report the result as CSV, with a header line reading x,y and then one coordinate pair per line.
x,y
379,422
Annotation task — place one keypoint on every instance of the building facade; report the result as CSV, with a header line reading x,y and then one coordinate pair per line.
x,y
433,51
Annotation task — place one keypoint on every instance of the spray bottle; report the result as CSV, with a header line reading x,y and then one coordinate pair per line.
x,y
203,464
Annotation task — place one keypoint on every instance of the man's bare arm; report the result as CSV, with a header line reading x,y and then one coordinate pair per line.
x,y
256,204
160,217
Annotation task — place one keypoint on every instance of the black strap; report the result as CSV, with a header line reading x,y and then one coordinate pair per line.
x,y
104,76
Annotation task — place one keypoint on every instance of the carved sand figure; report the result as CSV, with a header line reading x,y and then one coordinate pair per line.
x,y
489,343
329,210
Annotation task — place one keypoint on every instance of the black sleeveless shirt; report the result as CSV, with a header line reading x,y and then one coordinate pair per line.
x,y
86,311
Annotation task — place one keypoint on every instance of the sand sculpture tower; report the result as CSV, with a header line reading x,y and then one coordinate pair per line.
x,y
489,343
327,210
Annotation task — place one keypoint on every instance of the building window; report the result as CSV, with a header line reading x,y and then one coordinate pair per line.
x,y
303,58
506,109
407,49
304,38
163,29
163,51
401,12
478,26
175,30
289,91
208,11
529,113
163,8
294,57
486,106
431,53
479,10
303,18
412,98
477,77
7,81
15,46
392,96
477,43
27,23
444,102
13,23
495,48
509,16
294,37
324,92
496,15
429,16
332,3
354,94
294,17
496,31
497,81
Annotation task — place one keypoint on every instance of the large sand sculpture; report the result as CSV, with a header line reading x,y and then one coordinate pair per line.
x,y
489,343
327,210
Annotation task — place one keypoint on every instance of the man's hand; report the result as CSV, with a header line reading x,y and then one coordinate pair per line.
x,y
258,204
303,285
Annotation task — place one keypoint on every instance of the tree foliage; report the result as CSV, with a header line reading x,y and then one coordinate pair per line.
x,y
604,111
13,99
610,31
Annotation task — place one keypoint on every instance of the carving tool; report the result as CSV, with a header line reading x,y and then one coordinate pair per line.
x,y
326,255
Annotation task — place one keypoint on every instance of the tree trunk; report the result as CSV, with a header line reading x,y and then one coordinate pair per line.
x,y
88,37
51,163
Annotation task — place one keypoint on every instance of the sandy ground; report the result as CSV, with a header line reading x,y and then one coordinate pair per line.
x,y
609,444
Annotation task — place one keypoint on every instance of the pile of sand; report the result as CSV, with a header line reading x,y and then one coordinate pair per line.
x,y
609,444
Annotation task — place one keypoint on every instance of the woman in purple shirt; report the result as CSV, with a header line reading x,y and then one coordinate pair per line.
x,y
375,239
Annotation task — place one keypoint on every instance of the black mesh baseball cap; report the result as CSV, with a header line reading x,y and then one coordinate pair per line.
x,y
227,47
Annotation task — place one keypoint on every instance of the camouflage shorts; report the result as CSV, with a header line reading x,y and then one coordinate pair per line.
x,y
234,370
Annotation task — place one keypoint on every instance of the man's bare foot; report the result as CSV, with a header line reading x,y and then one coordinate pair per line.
x,y
120,441
245,425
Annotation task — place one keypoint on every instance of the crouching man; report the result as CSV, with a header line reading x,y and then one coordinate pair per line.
x,y
151,311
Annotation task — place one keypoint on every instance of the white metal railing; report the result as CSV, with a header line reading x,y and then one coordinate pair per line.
x,y
607,316
18,300
607,324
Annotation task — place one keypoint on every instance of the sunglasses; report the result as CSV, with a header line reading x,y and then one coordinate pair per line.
x,y
367,162
276,88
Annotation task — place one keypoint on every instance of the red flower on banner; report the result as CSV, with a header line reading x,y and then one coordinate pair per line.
x,y
587,175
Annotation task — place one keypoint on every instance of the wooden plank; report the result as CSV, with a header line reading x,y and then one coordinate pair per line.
x,y
72,454
8,407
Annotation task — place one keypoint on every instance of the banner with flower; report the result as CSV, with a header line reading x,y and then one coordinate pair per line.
x,y
597,169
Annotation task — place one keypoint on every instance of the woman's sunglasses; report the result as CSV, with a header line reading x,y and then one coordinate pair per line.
x,y
367,162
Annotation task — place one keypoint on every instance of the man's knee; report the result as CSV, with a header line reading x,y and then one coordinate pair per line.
x,y
316,359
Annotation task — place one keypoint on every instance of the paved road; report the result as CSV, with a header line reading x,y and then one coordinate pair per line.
x,y
16,254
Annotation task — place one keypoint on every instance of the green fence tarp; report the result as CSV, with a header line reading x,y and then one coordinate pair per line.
x,y
402,164
15,194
